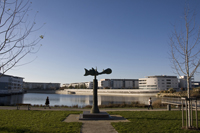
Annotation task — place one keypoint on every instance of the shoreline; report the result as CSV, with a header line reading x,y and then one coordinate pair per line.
x,y
112,92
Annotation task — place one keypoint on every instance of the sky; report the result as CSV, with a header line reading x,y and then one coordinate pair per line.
x,y
129,36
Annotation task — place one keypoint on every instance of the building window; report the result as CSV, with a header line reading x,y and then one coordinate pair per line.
x,y
142,85
151,85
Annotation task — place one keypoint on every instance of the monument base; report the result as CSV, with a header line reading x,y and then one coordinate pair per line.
x,y
94,116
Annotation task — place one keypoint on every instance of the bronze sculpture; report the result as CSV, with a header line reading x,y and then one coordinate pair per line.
x,y
94,72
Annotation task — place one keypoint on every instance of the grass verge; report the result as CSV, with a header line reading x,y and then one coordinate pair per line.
x,y
23,121
152,121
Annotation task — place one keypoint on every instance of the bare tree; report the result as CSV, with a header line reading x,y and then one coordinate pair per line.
x,y
15,27
185,50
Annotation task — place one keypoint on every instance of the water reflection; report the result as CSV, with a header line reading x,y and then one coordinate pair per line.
x,y
11,99
82,100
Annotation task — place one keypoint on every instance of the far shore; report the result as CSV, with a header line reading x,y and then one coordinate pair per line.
x,y
120,92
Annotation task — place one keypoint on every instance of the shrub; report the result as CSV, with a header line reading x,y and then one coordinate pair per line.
x,y
166,91
182,89
196,89
158,104
171,90
88,106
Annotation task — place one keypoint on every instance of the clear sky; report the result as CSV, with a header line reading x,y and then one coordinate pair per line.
x,y
129,36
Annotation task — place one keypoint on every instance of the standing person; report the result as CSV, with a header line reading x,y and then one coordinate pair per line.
x,y
47,103
150,103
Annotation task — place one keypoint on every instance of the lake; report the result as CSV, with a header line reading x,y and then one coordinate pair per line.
x,y
81,100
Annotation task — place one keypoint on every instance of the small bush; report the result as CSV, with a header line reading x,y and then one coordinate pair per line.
x,y
162,91
158,104
166,91
88,106
75,106
197,89
182,89
171,90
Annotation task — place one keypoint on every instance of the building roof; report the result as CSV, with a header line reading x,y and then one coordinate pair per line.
x,y
161,76
10,76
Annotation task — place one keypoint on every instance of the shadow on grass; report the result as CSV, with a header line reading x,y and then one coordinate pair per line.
x,y
17,130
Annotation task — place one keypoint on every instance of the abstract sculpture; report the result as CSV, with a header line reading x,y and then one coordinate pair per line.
x,y
94,72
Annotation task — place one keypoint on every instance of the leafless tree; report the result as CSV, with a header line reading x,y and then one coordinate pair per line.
x,y
185,49
15,27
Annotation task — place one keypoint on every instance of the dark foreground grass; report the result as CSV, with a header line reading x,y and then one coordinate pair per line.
x,y
23,121
152,121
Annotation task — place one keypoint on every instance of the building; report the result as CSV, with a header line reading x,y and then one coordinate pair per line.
x,y
89,85
104,84
44,86
162,82
195,84
183,82
8,82
118,83
65,85
80,85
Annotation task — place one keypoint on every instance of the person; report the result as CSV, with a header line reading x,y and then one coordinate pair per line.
x,y
47,103
150,103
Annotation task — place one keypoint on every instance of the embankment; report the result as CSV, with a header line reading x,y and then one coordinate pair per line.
x,y
100,92
108,92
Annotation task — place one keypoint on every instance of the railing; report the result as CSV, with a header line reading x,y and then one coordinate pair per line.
x,y
177,101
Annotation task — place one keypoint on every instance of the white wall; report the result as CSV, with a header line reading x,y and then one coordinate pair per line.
x,y
159,83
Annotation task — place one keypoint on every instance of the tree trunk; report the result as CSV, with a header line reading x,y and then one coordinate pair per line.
x,y
188,93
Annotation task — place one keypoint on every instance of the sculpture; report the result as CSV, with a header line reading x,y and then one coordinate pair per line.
x,y
94,72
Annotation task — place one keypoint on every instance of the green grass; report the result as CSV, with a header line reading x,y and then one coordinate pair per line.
x,y
152,121
24,121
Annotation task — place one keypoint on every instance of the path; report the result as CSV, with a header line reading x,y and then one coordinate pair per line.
x,y
96,126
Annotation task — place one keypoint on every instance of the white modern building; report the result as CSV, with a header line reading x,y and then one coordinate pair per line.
x,y
89,85
162,82
65,85
8,82
183,82
38,85
74,84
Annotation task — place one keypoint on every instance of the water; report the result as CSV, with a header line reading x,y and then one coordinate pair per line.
x,y
81,100
11,99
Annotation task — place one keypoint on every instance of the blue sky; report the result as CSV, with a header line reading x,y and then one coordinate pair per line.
x,y
129,36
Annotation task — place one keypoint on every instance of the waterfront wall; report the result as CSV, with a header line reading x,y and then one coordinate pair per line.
x,y
109,92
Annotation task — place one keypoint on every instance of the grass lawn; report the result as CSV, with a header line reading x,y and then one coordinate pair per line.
x,y
152,121
24,121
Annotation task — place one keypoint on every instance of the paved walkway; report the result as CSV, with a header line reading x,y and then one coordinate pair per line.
x,y
96,126
89,126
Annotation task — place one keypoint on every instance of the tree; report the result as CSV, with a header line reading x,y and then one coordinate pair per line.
x,y
185,50
15,28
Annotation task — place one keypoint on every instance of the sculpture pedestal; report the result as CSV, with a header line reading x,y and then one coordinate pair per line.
x,y
94,116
